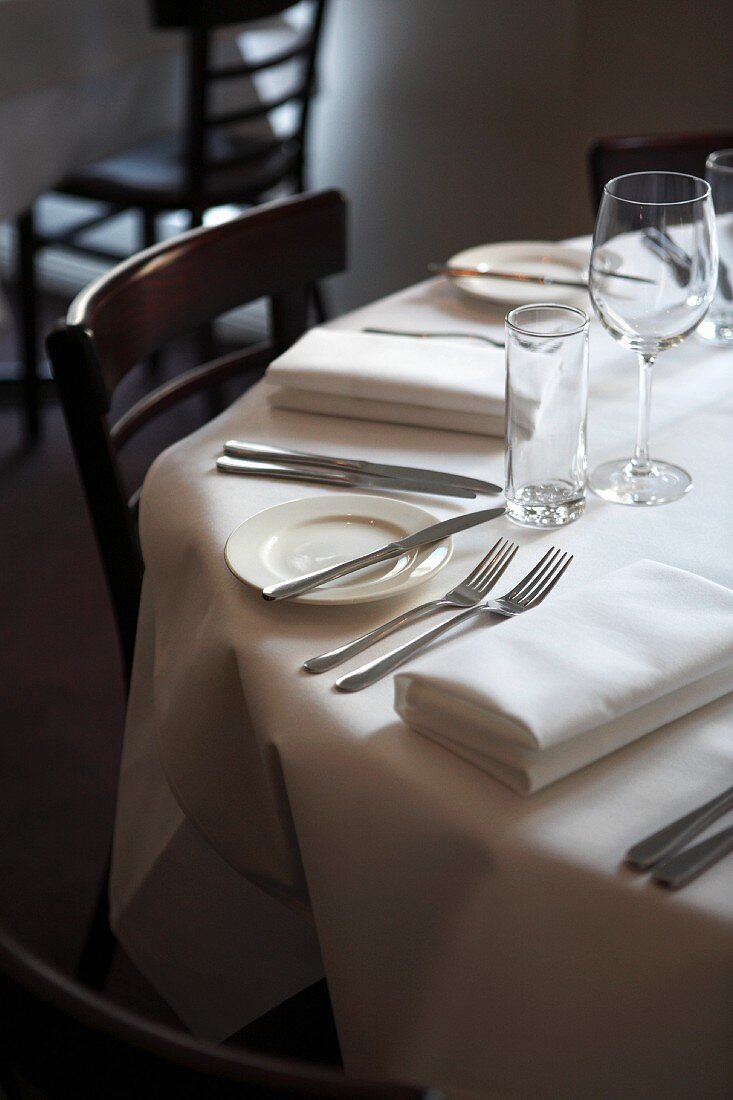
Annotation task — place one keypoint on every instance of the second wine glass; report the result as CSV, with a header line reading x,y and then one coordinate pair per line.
x,y
652,277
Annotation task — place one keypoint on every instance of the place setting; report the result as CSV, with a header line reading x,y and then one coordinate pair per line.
x,y
650,289
379,738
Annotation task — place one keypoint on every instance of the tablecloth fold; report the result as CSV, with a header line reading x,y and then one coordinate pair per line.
x,y
594,668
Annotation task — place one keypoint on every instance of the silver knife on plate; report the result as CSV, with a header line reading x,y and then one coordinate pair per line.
x,y
228,464
262,452
484,271
437,531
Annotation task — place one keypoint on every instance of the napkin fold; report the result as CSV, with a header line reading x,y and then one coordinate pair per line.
x,y
367,376
538,697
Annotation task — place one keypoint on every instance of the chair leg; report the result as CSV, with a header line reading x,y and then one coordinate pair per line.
x,y
8,1084
26,283
320,305
99,946
205,346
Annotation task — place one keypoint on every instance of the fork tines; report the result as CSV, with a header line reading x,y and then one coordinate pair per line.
x,y
493,565
533,588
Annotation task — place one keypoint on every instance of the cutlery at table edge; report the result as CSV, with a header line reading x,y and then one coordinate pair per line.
x,y
261,452
669,839
683,867
228,464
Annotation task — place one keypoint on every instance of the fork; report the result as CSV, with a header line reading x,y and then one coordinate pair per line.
x,y
468,593
437,335
528,593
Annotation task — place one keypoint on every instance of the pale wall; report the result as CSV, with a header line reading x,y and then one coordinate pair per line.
x,y
454,122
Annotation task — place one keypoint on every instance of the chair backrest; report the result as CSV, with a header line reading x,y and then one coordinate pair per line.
x,y
200,18
275,251
60,1039
608,157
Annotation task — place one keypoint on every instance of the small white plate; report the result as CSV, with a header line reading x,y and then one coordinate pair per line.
x,y
300,536
524,257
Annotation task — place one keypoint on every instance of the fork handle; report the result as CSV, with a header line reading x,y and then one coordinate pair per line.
x,y
665,842
334,657
375,670
685,866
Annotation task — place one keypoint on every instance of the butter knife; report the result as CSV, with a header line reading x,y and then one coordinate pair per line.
x,y
437,531
264,452
228,464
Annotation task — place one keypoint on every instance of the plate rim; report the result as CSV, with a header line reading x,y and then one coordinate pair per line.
x,y
461,282
319,596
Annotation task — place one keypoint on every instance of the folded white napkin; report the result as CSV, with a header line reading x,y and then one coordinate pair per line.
x,y
535,698
368,376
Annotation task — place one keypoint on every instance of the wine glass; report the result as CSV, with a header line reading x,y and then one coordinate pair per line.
x,y
653,271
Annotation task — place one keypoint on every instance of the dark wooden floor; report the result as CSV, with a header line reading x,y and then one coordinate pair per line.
x,y
61,700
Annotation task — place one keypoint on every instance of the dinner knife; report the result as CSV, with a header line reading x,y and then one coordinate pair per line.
x,y
685,866
266,453
229,464
661,245
665,842
437,531
487,272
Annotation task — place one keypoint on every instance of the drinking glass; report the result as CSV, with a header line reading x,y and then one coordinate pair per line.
x,y
717,325
650,302
546,404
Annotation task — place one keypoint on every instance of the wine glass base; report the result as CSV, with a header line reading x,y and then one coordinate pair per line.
x,y
618,482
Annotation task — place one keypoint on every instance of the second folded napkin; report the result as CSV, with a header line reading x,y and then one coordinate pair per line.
x,y
367,376
591,670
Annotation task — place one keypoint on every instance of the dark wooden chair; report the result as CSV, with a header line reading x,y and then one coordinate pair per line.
x,y
275,251
61,1041
212,161
608,157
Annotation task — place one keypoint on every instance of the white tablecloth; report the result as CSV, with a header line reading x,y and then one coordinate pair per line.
x,y
470,937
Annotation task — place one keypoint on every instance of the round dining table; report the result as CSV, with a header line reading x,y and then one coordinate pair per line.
x,y
271,829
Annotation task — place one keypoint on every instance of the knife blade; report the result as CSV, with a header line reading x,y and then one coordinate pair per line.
x,y
229,464
486,272
266,453
434,533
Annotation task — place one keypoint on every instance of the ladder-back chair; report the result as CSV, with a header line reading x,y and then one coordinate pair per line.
x,y
274,251
210,161
608,157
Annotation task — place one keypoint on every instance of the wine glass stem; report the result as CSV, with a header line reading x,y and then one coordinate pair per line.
x,y
641,462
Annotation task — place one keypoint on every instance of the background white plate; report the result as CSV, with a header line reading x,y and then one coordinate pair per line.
x,y
314,532
529,258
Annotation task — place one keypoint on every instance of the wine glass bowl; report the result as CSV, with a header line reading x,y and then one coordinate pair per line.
x,y
652,276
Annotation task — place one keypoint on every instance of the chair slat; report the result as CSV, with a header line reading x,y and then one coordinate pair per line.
x,y
259,110
185,385
231,72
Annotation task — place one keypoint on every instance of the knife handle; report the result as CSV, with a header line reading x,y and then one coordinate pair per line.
x,y
685,866
673,837
263,451
230,465
286,589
